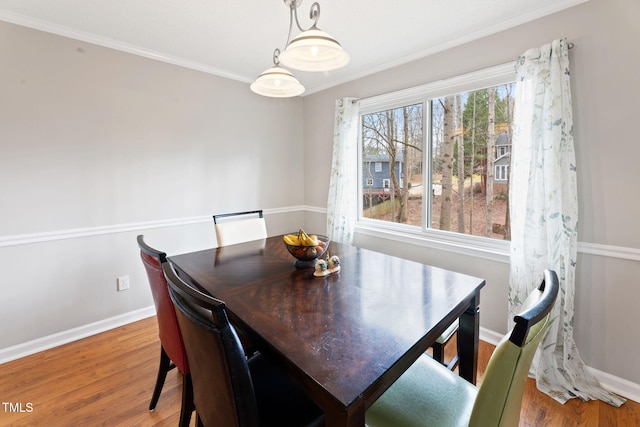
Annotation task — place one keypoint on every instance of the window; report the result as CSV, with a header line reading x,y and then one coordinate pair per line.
x,y
500,173
433,148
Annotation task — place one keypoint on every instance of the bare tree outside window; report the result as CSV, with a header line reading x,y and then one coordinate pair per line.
x,y
392,139
466,189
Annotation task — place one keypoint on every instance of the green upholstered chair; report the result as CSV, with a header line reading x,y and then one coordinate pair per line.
x,y
429,394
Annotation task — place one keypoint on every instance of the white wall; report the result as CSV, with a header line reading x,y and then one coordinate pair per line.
x,y
97,146
604,66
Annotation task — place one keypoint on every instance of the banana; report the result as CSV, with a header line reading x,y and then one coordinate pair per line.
x,y
302,239
291,239
307,240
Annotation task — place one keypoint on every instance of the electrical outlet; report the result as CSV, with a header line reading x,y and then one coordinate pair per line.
x,y
123,283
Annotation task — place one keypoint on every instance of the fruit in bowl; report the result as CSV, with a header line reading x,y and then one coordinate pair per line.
x,y
306,248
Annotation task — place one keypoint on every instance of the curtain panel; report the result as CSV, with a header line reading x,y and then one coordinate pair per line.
x,y
342,205
544,215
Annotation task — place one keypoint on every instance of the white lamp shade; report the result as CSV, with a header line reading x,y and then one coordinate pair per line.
x,y
314,50
277,82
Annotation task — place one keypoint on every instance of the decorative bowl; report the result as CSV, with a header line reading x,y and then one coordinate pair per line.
x,y
306,256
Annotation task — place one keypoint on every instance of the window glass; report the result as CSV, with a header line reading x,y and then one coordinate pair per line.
x,y
441,163
392,159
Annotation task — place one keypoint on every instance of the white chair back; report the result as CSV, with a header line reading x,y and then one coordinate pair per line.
x,y
245,230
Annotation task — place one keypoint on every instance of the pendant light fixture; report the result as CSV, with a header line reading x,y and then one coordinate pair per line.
x,y
311,50
277,82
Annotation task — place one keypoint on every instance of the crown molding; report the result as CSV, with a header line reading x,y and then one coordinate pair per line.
x,y
61,30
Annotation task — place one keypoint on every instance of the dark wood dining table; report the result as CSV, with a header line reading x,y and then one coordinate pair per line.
x,y
345,337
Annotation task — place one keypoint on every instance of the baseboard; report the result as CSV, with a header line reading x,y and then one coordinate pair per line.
x,y
617,385
487,335
31,347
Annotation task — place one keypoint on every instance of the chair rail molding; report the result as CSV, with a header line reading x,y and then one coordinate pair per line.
x,y
493,250
74,233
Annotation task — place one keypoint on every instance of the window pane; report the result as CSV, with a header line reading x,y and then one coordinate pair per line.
x,y
392,159
471,145
441,163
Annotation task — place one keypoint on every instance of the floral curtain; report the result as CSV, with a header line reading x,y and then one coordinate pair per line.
x,y
341,203
544,215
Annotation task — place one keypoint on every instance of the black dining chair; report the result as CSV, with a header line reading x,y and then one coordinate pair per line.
x,y
229,389
239,227
429,394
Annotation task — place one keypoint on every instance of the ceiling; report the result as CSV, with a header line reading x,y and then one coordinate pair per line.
x,y
236,39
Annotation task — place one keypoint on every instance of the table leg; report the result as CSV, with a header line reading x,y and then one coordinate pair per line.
x,y
469,340
353,417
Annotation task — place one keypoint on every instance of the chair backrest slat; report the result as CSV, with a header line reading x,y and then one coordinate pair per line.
x,y
233,214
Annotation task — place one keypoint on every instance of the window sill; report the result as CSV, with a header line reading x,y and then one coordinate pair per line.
x,y
479,247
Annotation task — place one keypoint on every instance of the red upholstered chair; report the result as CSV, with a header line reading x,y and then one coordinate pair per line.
x,y
172,352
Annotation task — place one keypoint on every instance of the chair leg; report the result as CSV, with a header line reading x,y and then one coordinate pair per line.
x,y
187,401
439,356
453,363
456,359
438,352
165,366
198,421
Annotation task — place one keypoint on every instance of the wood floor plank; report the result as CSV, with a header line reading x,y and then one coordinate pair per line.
x,y
107,380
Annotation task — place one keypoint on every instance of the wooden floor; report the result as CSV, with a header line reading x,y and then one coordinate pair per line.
x,y
107,380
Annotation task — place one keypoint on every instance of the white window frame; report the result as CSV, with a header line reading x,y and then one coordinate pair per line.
x,y
477,246
502,175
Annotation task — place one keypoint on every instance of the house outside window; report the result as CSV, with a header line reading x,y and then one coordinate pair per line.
x,y
434,148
